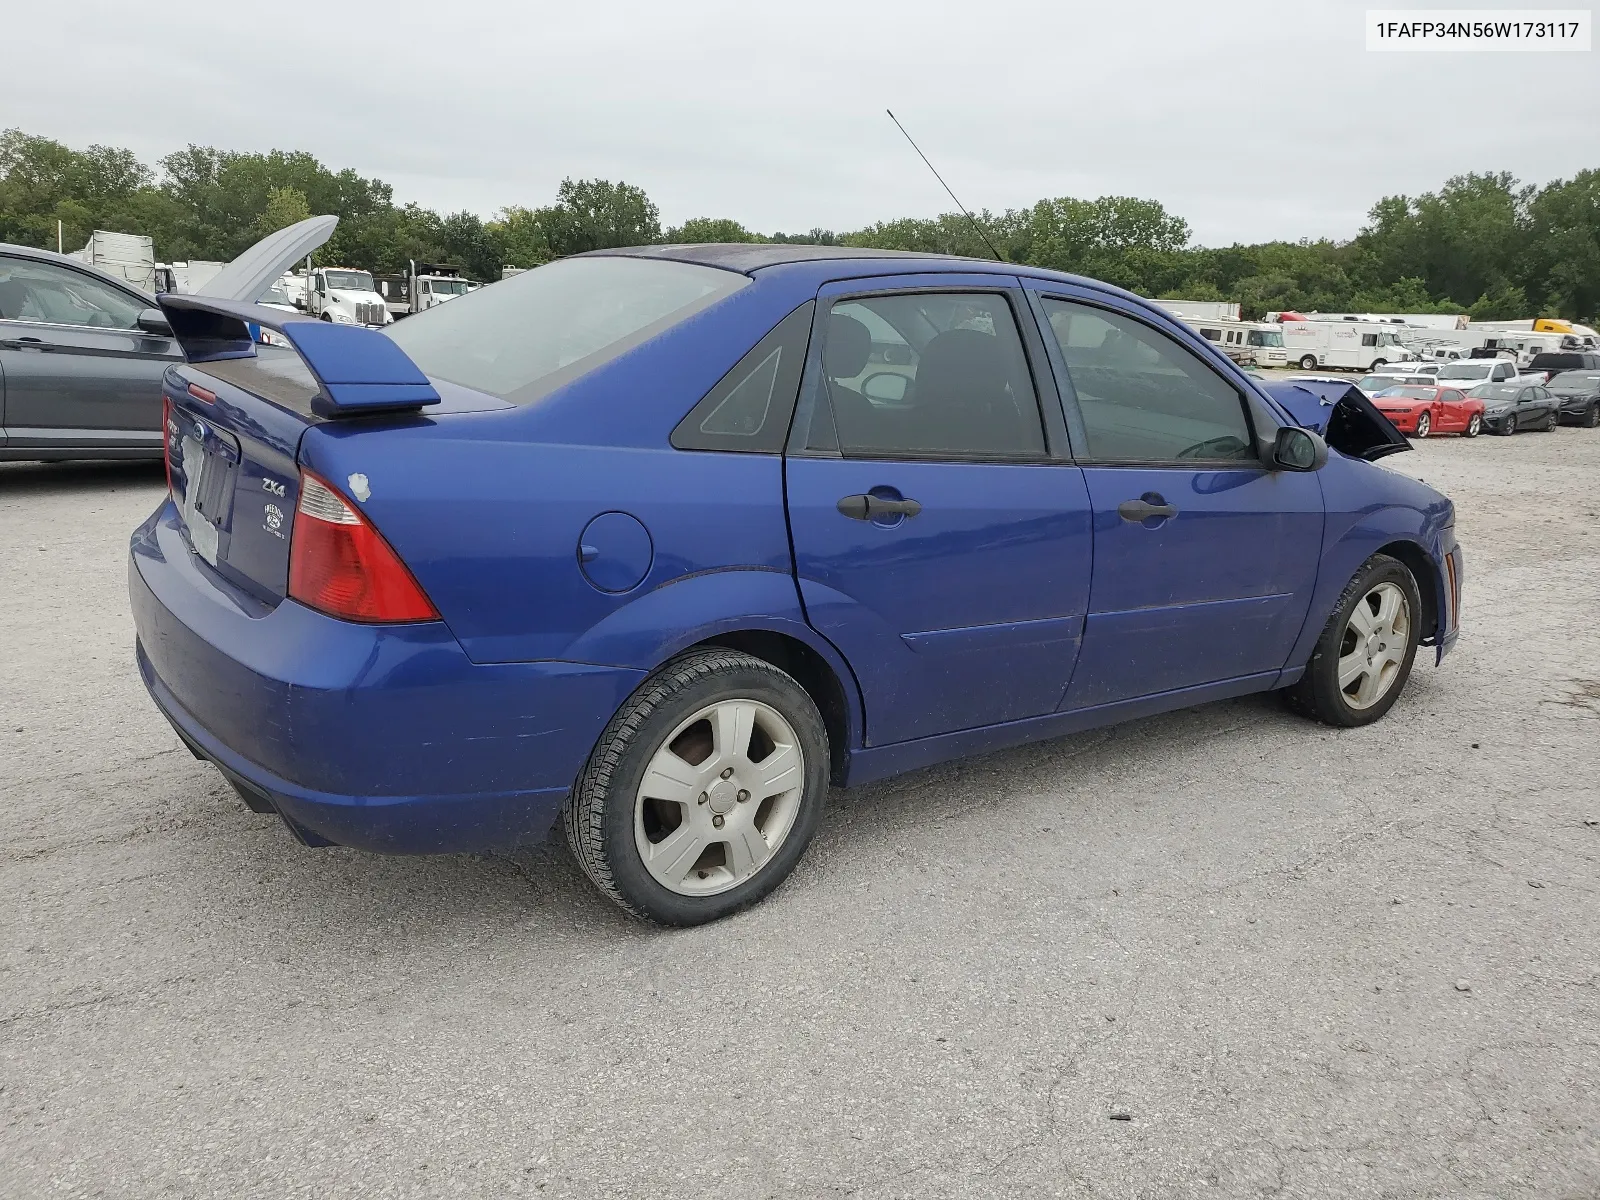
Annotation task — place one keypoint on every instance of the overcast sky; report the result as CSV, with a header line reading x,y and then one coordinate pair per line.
x,y
1251,120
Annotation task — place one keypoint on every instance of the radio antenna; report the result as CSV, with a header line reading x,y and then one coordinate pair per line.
x,y
975,225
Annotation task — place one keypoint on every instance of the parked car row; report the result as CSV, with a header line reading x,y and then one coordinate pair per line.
x,y
1443,398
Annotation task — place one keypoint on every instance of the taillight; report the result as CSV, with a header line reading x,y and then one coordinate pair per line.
x,y
166,437
339,563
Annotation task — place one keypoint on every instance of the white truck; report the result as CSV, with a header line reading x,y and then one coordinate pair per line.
x,y
423,286
1344,345
186,278
130,256
345,295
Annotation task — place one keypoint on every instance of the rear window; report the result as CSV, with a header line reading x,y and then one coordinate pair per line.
x,y
526,336
1556,362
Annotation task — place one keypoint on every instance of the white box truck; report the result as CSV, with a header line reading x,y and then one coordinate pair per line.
x,y
130,256
1342,345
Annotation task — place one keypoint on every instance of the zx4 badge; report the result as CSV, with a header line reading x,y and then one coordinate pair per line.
x,y
273,486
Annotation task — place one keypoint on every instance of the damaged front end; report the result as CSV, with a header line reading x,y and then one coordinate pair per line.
x,y
1342,414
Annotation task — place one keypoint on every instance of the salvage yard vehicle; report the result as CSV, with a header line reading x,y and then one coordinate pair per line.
x,y
345,296
1349,345
1470,372
83,352
1508,407
1551,365
658,542
1579,393
1423,409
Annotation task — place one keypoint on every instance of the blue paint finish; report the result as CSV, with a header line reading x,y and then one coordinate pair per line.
x,y
356,714
1219,590
570,550
614,552
966,614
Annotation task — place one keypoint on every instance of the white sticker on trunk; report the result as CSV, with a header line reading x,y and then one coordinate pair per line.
x,y
360,488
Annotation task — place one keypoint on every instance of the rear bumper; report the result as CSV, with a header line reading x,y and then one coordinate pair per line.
x,y
384,738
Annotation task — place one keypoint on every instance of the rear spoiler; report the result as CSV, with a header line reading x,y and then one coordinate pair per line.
x,y
357,370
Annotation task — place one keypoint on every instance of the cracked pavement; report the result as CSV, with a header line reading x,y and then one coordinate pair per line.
x,y
1242,931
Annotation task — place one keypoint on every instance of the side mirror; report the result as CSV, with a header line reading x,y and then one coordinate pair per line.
x,y
153,320
1296,449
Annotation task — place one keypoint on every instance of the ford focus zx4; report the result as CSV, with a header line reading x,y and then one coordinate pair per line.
x,y
660,542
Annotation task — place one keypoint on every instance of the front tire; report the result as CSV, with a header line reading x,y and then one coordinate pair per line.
x,y
1308,363
1591,416
1363,658
1474,426
704,790
1424,425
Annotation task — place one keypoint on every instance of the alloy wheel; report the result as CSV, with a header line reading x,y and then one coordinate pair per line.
x,y
1475,426
719,797
1373,648
1424,425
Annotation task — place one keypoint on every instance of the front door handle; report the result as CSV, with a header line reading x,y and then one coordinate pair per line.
x,y
1145,507
866,507
24,343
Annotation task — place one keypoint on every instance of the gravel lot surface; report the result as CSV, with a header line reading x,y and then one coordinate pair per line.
x,y
1299,962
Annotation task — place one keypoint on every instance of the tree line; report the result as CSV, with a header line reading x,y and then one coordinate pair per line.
x,y
1484,244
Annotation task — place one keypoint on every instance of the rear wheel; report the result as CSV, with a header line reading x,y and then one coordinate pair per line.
x,y
1424,425
1551,422
1364,656
1379,364
703,791
1308,363
1474,426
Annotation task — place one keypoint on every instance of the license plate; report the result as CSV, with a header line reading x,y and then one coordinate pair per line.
x,y
202,533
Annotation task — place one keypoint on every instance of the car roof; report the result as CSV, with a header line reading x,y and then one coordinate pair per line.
x,y
76,264
746,257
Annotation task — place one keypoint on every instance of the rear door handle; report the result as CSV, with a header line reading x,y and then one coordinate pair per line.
x,y
1142,509
865,507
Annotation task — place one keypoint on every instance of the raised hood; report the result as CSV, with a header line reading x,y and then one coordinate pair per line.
x,y
247,278
1345,418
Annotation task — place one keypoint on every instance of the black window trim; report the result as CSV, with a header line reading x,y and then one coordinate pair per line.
x,y
815,403
1258,417
685,433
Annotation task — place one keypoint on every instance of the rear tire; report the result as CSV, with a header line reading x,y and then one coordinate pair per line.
x,y
1551,422
1371,639
669,818
1474,426
1308,363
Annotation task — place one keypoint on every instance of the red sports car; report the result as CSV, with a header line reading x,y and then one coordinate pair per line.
x,y
1418,410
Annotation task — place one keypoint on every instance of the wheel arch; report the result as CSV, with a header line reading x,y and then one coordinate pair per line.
x,y
814,672
1421,565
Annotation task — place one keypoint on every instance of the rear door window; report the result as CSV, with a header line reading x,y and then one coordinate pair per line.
x,y
1143,397
930,375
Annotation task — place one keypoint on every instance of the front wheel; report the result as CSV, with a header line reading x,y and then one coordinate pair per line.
x,y
1424,425
1474,426
1308,363
703,791
1379,364
1591,416
1363,658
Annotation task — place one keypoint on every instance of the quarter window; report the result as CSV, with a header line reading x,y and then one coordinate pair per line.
x,y
930,375
750,407
1143,397
53,295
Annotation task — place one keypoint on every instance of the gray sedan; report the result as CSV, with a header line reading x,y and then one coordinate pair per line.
x,y
1508,407
81,358
82,352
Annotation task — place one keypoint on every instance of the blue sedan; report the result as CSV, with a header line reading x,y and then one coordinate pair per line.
x,y
660,542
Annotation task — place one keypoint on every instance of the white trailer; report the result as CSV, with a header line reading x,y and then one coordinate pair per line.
x,y
187,278
1200,310
1343,345
130,256
1250,342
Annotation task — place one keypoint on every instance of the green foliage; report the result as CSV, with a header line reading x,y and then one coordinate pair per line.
x,y
698,230
1483,243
